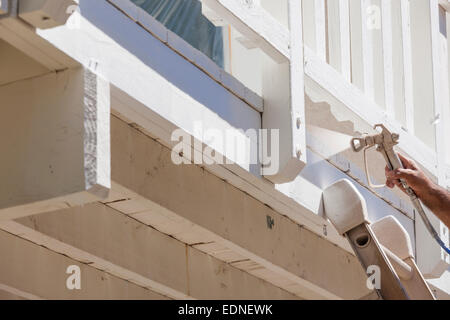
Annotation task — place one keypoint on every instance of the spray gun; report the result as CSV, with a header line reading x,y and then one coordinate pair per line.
x,y
385,142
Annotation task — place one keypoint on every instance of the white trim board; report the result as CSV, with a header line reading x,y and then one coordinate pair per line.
x,y
346,93
158,30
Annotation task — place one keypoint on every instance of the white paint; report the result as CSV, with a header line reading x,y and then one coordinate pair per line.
x,y
407,65
251,20
331,81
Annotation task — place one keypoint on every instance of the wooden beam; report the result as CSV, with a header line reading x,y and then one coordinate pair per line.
x,y
25,38
108,240
60,154
356,42
388,56
321,28
339,36
32,272
440,83
407,65
422,67
189,193
251,20
284,108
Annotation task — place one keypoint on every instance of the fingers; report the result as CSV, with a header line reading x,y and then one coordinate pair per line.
x,y
407,163
390,184
405,174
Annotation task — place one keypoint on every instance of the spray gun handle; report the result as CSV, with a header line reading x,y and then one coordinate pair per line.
x,y
395,163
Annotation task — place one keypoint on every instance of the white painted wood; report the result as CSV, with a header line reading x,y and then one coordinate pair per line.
x,y
45,14
195,56
338,23
61,156
283,90
431,258
422,62
398,103
446,111
356,28
386,14
326,77
321,31
194,203
367,51
344,19
22,36
407,65
297,89
441,83
309,25
251,20
151,106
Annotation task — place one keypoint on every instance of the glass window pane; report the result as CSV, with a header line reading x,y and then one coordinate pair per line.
x,y
184,17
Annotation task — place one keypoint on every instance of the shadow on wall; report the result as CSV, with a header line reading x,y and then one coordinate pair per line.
x,y
167,63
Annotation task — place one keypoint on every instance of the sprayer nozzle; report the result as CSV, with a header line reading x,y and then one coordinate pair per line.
x,y
358,144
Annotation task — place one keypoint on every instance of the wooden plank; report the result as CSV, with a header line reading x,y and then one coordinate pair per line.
x,y
422,62
24,37
407,64
297,89
198,58
441,83
141,255
356,41
367,51
321,31
61,157
344,19
32,272
331,81
251,20
309,24
388,54
339,36
284,110
194,193
398,65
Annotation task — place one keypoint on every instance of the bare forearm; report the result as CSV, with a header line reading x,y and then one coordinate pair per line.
x,y
437,199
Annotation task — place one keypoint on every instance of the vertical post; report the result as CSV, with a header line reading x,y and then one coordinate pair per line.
x,y
344,17
338,23
422,68
388,54
367,51
284,104
356,42
440,81
407,65
297,80
321,32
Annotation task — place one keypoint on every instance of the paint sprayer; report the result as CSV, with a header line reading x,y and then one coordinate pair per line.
x,y
385,142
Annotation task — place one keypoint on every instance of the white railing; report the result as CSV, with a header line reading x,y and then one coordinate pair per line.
x,y
395,52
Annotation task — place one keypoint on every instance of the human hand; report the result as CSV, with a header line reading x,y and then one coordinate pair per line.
x,y
412,174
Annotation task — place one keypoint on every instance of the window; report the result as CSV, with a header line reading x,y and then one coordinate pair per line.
x,y
184,17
